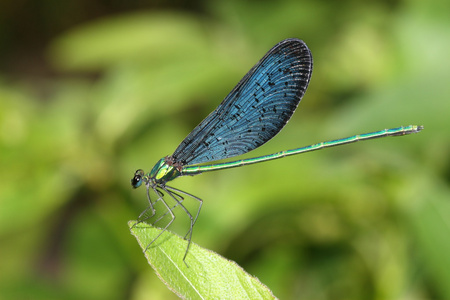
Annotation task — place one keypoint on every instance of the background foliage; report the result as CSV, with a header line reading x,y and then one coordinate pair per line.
x,y
90,91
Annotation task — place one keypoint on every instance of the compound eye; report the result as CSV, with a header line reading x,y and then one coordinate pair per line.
x,y
136,181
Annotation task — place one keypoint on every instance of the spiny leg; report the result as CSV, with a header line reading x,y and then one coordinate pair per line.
x,y
140,219
174,196
173,191
189,215
160,197
155,188
181,199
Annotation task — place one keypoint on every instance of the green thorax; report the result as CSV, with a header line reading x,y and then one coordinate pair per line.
x,y
164,170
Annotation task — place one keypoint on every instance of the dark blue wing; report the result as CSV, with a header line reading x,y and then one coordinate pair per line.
x,y
255,110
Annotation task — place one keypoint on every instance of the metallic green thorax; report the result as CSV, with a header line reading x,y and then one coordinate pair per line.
x,y
164,170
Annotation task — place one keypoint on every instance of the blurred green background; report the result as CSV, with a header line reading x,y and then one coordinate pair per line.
x,y
90,91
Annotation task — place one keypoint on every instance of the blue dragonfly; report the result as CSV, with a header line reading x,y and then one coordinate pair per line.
x,y
253,113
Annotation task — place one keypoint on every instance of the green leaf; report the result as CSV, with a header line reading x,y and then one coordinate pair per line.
x,y
207,274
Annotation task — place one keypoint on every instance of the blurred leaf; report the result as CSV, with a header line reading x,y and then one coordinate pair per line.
x,y
209,275
158,37
428,212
